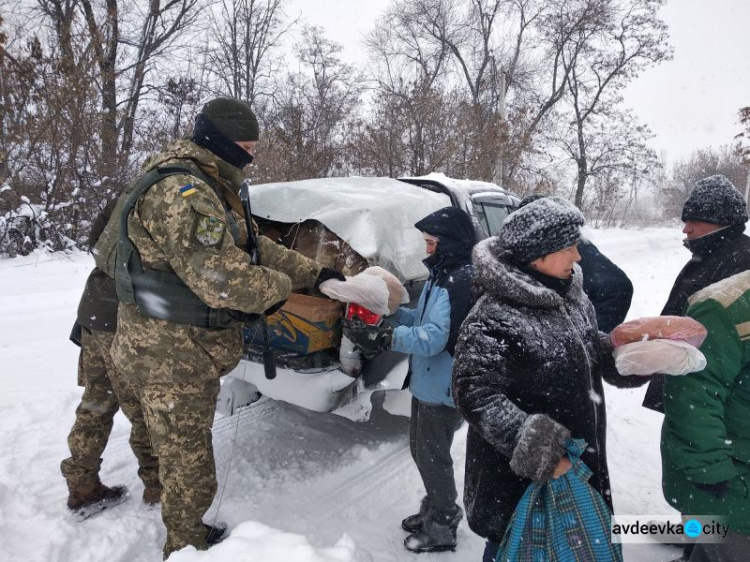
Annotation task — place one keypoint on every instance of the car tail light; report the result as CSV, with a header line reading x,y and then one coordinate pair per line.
x,y
367,316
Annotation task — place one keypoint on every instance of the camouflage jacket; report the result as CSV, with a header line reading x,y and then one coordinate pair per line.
x,y
180,225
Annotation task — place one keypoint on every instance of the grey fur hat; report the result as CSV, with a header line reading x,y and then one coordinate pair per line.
x,y
543,226
715,200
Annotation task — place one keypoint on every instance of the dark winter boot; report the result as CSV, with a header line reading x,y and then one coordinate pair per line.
x,y
151,496
215,533
687,552
438,534
85,500
414,523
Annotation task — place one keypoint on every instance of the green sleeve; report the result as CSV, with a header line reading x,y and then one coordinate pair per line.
x,y
696,436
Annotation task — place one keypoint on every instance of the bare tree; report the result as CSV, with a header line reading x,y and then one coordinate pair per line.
x,y
621,38
47,123
125,39
614,146
313,110
74,74
619,160
246,34
412,134
404,51
702,163
507,55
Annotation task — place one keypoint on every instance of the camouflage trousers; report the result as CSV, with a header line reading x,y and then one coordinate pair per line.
x,y
179,418
105,391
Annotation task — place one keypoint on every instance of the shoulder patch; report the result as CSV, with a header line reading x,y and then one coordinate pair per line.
x,y
187,190
208,231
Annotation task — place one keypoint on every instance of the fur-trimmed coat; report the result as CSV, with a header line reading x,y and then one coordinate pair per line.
x,y
527,374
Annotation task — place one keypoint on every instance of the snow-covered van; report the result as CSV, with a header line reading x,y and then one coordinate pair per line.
x,y
362,222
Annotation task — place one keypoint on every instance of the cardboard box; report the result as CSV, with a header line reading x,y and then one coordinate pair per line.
x,y
306,324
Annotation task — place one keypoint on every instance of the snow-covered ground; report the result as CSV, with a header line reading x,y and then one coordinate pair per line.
x,y
293,485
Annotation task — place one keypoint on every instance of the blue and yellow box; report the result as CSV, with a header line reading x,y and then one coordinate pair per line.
x,y
306,324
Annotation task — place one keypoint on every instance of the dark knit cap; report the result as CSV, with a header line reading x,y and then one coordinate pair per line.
x,y
543,226
715,200
233,118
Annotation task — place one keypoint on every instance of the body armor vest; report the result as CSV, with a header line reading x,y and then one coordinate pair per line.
x,y
163,294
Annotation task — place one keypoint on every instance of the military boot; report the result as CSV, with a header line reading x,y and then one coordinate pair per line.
x,y
215,533
85,500
438,533
414,523
151,496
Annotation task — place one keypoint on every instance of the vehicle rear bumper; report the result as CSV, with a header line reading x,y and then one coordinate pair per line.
x,y
320,392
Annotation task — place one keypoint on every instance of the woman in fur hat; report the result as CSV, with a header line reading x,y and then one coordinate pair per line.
x,y
529,365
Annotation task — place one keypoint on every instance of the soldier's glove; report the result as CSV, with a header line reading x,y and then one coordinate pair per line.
x,y
244,318
274,308
327,273
369,340
718,490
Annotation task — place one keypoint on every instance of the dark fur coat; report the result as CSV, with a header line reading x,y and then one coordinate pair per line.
x,y
527,374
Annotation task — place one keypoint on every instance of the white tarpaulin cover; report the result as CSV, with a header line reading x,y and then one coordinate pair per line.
x,y
375,216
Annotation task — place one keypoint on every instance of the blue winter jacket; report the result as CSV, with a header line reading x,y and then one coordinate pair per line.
x,y
429,332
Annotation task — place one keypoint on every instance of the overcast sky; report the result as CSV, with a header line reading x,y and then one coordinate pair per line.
x,y
690,102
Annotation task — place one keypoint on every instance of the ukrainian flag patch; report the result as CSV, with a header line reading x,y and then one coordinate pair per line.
x,y
187,190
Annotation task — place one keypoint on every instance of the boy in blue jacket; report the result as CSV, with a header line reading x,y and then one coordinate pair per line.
x,y
428,334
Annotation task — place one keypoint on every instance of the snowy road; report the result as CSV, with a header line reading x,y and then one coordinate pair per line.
x,y
293,484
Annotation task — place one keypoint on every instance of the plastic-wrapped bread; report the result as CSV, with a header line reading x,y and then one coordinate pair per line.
x,y
397,293
375,288
676,328
669,357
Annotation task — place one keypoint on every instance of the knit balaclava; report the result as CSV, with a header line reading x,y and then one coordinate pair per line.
x,y
715,200
541,227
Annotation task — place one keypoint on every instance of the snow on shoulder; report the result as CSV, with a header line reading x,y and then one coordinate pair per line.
x,y
375,216
251,541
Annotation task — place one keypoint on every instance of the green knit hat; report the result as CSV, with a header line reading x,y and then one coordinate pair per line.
x,y
233,118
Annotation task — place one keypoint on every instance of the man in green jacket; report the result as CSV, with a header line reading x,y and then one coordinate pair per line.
x,y
706,432
183,291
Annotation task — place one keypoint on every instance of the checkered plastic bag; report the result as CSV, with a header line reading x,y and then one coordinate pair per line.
x,y
564,520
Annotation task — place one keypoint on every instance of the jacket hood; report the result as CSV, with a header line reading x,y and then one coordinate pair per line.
x,y
454,229
494,274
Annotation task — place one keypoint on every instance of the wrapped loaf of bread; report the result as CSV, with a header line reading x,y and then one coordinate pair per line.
x,y
669,357
676,328
375,288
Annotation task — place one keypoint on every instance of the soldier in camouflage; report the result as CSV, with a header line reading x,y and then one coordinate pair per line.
x,y
184,228
105,392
